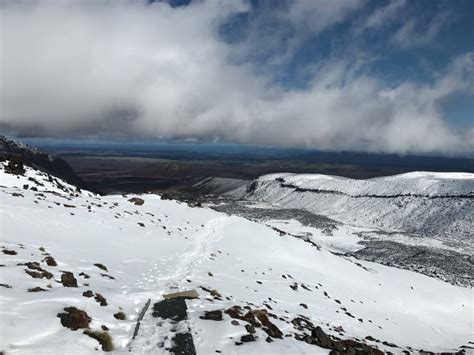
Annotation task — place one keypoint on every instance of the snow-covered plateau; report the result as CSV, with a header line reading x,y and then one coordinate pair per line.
x,y
108,255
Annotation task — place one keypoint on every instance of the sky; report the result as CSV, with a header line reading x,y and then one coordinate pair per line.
x,y
379,76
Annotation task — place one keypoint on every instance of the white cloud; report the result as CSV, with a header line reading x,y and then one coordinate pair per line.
x,y
413,34
386,14
124,67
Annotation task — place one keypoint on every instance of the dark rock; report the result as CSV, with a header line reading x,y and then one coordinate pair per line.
x,y
304,305
33,265
43,274
101,266
37,289
5,285
120,316
183,344
323,339
50,261
68,279
269,340
137,201
9,252
100,299
84,275
270,328
15,166
212,315
250,328
234,322
74,318
247,338
88,294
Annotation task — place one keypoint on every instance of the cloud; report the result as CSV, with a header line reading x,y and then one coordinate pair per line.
x,y
384,15
413,33
81,68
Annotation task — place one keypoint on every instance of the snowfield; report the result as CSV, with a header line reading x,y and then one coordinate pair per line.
x,y
435,205
130,253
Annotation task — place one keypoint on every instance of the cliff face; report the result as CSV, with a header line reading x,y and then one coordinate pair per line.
x,y
40,160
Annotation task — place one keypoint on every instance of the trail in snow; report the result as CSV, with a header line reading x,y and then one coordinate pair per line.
x,y
171,275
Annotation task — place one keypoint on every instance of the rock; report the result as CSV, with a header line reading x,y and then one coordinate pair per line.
x,y
42,274
269,340
103,338
216,294
50,261
304,305
15,166
68,279
234,312
247,338
212,315
250,329
84,275
101,266
74,318
33,265
270,328
37,289
188,294
323,339
389,344
88,294
137,201
9,252
120,316
100,299
234,322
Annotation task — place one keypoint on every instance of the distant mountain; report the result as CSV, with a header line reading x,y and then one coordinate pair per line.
x,y
40,160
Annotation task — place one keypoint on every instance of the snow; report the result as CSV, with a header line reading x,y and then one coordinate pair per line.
x,y
182,248
434,205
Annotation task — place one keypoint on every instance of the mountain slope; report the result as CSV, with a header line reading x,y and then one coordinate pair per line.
x,y
130,252
438,205
39,159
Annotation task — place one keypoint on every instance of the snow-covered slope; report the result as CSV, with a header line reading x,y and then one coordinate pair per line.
x,y
438,205
130,253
